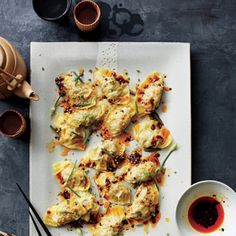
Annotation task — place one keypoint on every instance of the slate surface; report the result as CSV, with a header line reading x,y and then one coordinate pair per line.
x,y
210,27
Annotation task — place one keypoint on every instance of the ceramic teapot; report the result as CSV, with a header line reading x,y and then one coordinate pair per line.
x,y
13,73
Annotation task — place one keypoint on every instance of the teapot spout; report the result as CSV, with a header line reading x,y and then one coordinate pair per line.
x,y
26,91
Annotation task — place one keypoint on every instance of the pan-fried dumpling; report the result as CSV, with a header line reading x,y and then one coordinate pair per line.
x,y
149,93
145,204
117,119
69,174
111,222
112,189
76,93
81,205
141,170
113,86
151,133
105,157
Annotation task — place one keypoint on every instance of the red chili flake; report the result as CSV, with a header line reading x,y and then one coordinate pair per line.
x,y
155,78
135,158
59,176
66,194
152,101
49,212
108,183
155,158
121,79
153,127
139,99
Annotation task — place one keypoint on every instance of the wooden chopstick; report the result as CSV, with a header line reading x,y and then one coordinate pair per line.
x,y
35,224
34,211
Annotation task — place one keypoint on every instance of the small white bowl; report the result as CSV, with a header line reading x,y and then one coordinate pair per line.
x,y
224,194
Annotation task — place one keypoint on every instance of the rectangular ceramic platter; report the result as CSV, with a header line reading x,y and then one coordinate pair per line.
x,y
171,59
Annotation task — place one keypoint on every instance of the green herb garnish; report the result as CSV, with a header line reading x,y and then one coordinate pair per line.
x,y
90,71
138,71
77,78
82,104
53,128
157,117
136,107
78,135
71,173
70,212
73,191
151,149
173,148
54,108
108,153
87,135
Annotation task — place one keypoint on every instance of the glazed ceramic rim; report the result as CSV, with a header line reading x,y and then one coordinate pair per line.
x,y
194,186
22,128
54,18
95,6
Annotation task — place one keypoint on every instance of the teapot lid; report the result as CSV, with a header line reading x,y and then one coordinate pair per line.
x,y
2,57
7,56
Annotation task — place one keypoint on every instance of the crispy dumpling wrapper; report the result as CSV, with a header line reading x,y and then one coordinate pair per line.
x,y
71,209
143,170
145,203
69,174
111,223
117,119
150,133
149,93
112,189
105,157
113,86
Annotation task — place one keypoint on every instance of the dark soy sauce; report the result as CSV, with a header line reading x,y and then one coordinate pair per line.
x,y
10,123
87,15
206,214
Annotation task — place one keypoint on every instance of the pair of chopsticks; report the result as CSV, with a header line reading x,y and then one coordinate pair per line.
x,y
36,215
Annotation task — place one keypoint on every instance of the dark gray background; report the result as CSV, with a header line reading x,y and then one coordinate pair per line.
x,y
210,27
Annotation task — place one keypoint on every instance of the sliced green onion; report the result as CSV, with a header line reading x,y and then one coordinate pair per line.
x,y
73,191
157,117
79,135
82,104
71,172
70,212
151,149
77,78
87,135
53,128
136,106
173,148
54,108
108,153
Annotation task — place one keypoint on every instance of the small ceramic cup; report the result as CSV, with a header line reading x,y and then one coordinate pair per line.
x,y
12,124
208,188
87,15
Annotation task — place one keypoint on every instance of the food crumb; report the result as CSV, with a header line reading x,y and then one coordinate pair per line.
x,y
43,69
164,107
167,219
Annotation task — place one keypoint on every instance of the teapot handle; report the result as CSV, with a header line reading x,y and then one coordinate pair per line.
x,y
16,80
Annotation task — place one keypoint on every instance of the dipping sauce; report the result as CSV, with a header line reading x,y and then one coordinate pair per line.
x,y
86,15
12,123
206,214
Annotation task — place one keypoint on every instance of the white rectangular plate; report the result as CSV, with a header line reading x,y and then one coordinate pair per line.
x,y
172,59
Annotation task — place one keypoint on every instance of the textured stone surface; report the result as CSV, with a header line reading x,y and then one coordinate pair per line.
x,y
209,26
